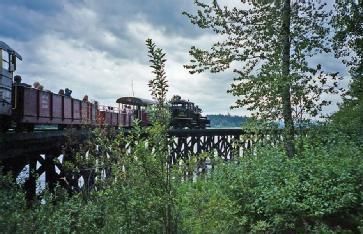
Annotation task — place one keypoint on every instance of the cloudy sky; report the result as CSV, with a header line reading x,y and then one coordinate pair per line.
x,y
98,48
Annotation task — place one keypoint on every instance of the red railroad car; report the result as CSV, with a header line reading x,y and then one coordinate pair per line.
x,y
135,108
112,116
34,106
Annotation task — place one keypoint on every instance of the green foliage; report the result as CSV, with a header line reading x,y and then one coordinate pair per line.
x,y
319,191
349,118
348,45
253,44
12,205
348,41
267,44
136,200
158,85
52,214
254,124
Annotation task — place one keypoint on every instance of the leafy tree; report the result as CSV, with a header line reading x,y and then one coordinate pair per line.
x,y
161,119
348,44
267,44
158,85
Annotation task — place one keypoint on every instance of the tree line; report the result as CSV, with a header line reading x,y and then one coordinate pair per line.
x,y
226,121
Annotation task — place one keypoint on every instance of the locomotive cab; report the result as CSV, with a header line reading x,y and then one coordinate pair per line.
x,y
8,58
186,115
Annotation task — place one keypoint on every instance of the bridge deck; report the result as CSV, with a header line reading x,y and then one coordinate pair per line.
x,y
206,132
13,145
38,153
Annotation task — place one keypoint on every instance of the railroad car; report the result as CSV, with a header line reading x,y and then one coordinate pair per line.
x,y
187,115
8,58
37,107
138,107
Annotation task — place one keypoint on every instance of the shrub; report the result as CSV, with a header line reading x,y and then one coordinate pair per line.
x,y
322,189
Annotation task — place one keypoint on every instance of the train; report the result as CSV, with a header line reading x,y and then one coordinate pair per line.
x,y
185,114
22,106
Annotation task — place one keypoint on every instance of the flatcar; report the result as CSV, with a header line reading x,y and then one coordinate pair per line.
x,y
186,114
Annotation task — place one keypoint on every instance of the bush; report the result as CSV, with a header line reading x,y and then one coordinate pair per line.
x,y
12,205
319,191
135,199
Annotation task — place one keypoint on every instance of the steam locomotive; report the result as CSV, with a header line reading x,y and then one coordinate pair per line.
x,y
187,115
22,106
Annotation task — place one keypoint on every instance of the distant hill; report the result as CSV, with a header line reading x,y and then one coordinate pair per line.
x,y
226,121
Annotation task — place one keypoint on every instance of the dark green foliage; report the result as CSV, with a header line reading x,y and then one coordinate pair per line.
x,y
53,214
349,118
348,45
12,205
136,200
226,121
348,42
319,191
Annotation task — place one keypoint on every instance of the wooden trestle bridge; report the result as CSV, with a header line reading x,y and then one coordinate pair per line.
x,y
34,154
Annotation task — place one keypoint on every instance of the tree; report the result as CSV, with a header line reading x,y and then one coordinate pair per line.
x,y
159,85
161,121
267,44
348,45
